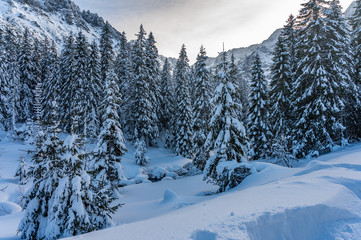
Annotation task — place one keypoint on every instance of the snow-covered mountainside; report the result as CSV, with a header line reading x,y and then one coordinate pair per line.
x,y
53,19
244,56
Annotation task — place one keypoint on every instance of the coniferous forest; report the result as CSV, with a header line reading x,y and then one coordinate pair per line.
x,y
103,93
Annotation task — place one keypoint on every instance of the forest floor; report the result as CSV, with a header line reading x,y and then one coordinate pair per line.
x,y
319,199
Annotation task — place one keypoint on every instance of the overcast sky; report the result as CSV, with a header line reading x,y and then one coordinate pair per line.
x,y
237,23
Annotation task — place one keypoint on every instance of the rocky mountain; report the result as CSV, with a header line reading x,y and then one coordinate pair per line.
x,y
244,56
51,18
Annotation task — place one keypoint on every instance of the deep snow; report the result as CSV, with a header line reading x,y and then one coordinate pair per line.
x,y
321,199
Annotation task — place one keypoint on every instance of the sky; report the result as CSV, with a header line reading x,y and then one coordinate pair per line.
x,y
236,23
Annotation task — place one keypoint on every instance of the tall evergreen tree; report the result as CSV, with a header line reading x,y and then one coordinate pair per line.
x,y
51,80
67,79
27,78
79,102
258,118
123,64
353,106
47,174
94,91
142,118
183,118
318,91
106,51
241,87
280,90
227,135
167,96
202,100
341,72
153,67
14,76
5,86
110,147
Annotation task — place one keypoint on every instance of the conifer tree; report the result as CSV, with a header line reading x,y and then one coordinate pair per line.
x,y
258,118
280,93
94,91
123,65
167,96
318,90
353,122
22,171
110,147
106,51
79,103
141,109
226,137
14,76
241,87
47,174
289,34
341,72
5,86
183,118
27,78
202,100
140,149
153,67
68,78
51,81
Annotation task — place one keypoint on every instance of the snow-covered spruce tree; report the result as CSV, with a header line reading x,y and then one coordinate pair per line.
x,y
167,104
80,104
106,51
27,78
258,116
94,91
226,137
47,172
202,100
141,109
153,67
140,149
167,96
123,65
5,86
67,79
51,77
14,75
353,108
183,117
318,88
110,148
280,95
74,203
22,171
37,57
290,37
241,87
341,72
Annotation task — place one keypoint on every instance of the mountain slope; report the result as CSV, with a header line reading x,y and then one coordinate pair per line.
x,y
53,19
244,56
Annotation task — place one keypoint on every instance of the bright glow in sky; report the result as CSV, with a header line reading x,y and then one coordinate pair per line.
x,y
238,23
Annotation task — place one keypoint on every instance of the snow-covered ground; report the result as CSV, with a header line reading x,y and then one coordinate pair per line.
x,y
320,199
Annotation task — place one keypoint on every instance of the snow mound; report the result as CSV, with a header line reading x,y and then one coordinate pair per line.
x,y
7,208
204,235
169,196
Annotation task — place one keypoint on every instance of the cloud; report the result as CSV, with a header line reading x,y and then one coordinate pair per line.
x,y
238,23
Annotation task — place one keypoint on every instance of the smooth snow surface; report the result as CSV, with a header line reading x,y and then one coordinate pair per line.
x,y
321,199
